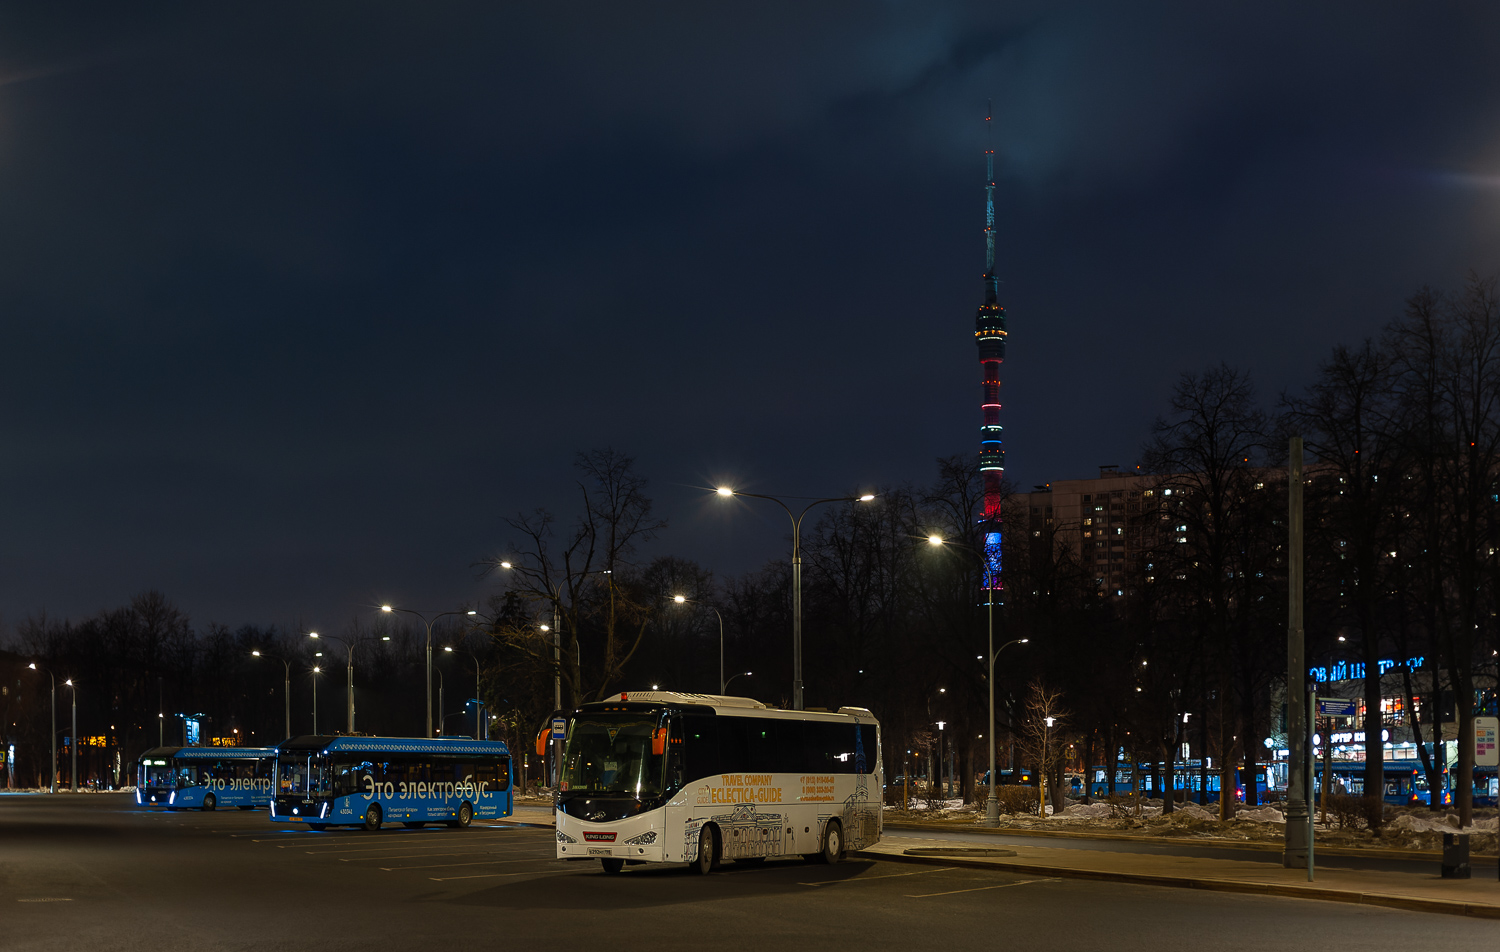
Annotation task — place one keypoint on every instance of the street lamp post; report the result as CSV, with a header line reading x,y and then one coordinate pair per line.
x,y
73,741
349,673
440,698
683,599
286,685
52,786
992,802
315,672
478,704
428,622
737,674
796,575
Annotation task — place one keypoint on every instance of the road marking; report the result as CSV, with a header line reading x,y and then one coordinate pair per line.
x,y
389,847
490,862
444,879
952,892
381,859
44,900
870,879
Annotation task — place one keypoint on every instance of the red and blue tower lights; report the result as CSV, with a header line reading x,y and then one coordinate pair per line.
x,y
989,333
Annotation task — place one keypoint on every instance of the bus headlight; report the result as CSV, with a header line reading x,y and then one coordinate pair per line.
x,y
645,839
172,797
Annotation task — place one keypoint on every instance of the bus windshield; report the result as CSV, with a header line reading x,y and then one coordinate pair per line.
x,y
305,774
610,753
157,775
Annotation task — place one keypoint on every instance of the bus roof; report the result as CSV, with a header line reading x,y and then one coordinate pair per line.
x,y
208,753
722,704
334,743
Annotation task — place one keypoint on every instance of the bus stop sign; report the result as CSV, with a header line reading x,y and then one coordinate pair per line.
x,y
559,728
1335,707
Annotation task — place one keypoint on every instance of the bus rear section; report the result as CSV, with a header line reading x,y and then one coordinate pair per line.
x,y
323,781
204,778
688,778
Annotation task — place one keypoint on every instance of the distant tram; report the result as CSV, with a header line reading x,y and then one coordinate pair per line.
x,y
204,778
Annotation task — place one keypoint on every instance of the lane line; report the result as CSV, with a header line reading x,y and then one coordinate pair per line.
x,y
953,892
444,879
495,862
405,846
871,879
378,859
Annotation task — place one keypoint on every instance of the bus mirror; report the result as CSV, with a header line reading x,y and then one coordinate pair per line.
x,y
658,742
541,743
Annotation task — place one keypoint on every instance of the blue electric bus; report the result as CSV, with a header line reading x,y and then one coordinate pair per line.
x,y
325,781
1186,782
204,778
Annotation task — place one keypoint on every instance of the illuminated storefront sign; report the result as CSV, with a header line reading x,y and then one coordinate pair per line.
x,y
1355,671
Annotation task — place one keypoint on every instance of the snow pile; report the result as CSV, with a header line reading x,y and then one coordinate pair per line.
x,y
1088,810
1192,811
1412,823
1260,815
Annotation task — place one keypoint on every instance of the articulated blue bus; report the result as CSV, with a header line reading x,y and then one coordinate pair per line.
x,y
325,781
1186,781
204,778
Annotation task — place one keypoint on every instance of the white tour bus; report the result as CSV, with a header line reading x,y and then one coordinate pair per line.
x,y
664,777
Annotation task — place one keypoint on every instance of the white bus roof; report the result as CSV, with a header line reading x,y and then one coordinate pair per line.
x,y
723,704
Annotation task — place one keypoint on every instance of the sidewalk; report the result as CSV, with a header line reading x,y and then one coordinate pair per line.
x,y
1418,892
1421,892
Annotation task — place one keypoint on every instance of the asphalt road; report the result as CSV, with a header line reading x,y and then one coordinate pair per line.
x,y
94,872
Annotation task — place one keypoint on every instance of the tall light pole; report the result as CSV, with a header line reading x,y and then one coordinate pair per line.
x,y
428,622
52,786
478,704
349,673
796,574
1297,848
992,802
737,674
682,600
315,671
73,741
286,686
440,698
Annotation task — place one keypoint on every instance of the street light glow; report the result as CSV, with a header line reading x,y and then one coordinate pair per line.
x,y
255,654
472,612
448,648
546,628
506,565
934,540
679,599
724,491
32,666
866,497
385,608
312,634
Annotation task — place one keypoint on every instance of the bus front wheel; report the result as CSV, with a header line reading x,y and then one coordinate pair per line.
x,y
833,843
465,817
612,865
708,851
209,802
373,817
317,827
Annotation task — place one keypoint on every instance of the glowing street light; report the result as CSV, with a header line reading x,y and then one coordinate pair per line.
x,y
682,600
992,802
726,492
52,787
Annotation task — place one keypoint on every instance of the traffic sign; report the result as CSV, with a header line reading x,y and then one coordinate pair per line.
x,y
1487,741
1335,707
559,728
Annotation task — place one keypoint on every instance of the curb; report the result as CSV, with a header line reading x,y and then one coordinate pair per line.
x,y
1409,904
1434,856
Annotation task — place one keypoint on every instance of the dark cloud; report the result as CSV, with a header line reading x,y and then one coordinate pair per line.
x,y
301,300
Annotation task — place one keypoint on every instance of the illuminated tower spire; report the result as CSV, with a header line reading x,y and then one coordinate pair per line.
x,y
989,332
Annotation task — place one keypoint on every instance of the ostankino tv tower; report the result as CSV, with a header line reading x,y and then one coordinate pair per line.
x,y
989,333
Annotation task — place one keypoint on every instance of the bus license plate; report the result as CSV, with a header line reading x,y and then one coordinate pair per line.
x,y
597,851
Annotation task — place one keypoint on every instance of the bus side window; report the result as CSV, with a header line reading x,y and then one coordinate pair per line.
x,y
700,746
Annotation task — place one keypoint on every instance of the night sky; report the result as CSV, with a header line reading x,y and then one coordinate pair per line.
x,y
298,302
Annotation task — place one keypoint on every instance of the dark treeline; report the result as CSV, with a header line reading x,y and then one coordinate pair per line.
x,y
1403,434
